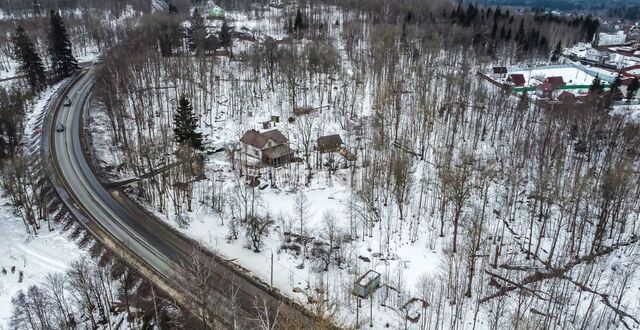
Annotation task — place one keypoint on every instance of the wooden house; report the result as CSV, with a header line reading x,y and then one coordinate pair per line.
x,y
329,143
270,148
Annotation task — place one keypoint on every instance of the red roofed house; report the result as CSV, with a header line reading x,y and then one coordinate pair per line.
x,y
567,98
518,79
547,89
557,82
269,148
499,72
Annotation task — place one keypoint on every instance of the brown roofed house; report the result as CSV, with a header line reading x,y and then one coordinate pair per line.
x,y
267,148
329,143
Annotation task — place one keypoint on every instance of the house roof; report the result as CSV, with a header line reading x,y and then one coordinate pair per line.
x,y
547,87
518,79
254,138
275,135
259,140
555,81
499,70
277,151
567,97
329,140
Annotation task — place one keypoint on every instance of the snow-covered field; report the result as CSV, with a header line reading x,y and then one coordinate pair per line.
x,y
571,76
34,256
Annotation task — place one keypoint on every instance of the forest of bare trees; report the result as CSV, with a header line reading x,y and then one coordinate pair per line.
x,y
535,210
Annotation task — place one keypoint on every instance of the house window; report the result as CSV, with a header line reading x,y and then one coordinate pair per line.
x,y
255,152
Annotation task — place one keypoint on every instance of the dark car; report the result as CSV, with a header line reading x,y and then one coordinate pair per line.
x,y
59,127
67,101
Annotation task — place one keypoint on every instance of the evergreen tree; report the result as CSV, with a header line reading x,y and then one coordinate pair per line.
x,y
632,89
595,94
614,91
225,38
494,29
172,9
184,122
30,61
596,86
299,23
555,56
36,7
197,33
63,63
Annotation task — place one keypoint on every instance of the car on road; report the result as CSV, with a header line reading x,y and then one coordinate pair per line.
x,y
67,101
59,127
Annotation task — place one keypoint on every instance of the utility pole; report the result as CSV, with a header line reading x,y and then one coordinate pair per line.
x,y
272,269
371,310
357,311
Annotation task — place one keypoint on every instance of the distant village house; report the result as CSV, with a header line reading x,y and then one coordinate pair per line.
x,y
500,72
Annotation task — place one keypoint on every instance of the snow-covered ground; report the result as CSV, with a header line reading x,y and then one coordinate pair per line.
x,y
571,76
411,254
35,256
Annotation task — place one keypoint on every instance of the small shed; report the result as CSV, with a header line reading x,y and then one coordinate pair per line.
x,y
329,143
518,79
500,72
367,284
215,12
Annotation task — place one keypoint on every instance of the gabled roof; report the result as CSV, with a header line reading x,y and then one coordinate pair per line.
x,y
259,140
275,135
518,79
555,81
277,151
546,87
499,70
567,97
254,138
329,140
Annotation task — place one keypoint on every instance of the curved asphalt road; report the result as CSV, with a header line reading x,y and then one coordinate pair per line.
x,y
146,243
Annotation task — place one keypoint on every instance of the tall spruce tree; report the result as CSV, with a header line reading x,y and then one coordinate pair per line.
x,y
36,7
596,86
63,63
555,56
614,92
632,89
184,122
197,31
224,37
30,61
